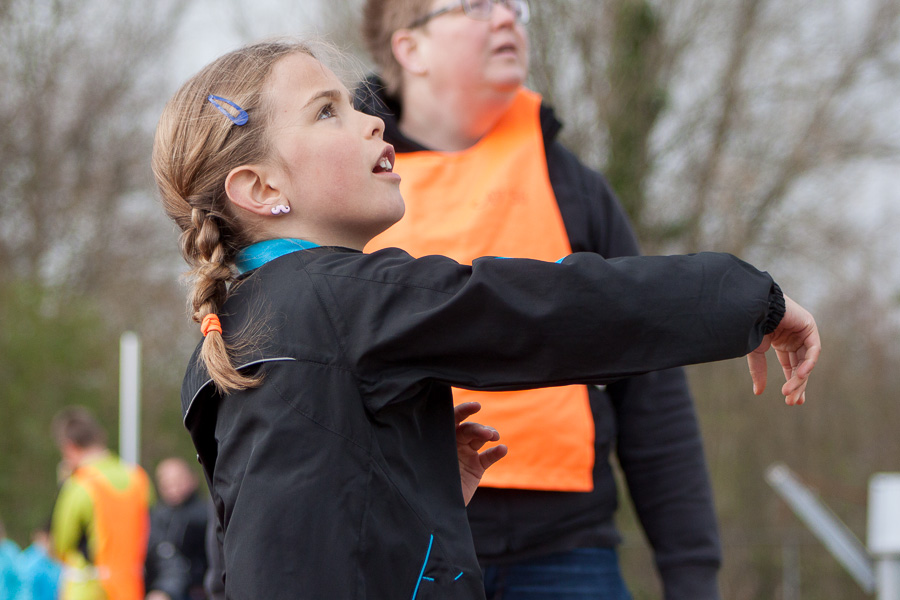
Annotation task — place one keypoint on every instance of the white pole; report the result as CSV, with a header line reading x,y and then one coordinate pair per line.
x,y
887,569
129,397
836,536
884,532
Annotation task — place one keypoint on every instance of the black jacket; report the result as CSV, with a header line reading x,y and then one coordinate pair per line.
x,y
176,551
338,478
649,421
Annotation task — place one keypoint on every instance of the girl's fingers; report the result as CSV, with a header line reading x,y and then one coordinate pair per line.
x,y
465,410
757,362
475,435
492,455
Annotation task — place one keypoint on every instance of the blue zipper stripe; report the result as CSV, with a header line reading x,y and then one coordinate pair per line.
x,y
557,261
422,572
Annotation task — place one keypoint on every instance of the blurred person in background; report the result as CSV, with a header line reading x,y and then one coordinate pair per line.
x,y
9,573
101,520
485,175
176,555
40,573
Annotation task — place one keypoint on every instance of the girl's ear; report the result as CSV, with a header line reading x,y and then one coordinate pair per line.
x,y
249,187
406,49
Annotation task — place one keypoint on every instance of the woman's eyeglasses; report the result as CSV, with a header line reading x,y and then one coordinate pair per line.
x,y
479,10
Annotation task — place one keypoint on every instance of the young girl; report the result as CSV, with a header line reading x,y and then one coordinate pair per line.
x,y
319,399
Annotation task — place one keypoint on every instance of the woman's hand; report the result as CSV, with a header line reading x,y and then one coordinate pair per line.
x,y
470,437
797,346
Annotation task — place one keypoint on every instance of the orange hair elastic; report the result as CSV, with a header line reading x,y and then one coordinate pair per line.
x,y
210,323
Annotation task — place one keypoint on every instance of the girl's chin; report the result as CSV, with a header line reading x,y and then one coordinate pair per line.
x,y
388,223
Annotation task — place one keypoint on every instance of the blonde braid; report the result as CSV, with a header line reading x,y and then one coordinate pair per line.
x,y
194,150
211,277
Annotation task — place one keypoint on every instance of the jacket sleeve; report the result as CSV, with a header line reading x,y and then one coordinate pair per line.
x,y
72,513
515,323
658,443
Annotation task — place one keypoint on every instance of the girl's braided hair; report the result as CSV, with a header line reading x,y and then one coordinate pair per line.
x,y
195,148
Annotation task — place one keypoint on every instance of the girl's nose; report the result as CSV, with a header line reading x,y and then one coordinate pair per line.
x,y
375,126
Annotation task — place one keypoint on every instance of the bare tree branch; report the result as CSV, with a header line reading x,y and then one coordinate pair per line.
x,y
746,22
808,149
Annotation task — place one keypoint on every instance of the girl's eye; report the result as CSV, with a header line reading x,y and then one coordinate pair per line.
x,y
326,112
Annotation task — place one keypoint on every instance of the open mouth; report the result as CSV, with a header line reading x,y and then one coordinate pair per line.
x,y
505,48
385,163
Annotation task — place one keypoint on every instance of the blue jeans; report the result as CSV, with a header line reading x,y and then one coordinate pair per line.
x,y
580,574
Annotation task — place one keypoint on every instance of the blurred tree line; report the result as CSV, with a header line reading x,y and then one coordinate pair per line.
x,y
85,253
748,126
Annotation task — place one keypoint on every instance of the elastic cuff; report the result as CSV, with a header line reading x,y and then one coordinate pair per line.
x,y
776,309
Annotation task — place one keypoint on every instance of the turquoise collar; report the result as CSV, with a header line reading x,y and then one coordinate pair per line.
x,y
258,254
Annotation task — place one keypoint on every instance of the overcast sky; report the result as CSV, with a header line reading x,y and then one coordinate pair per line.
x,y
212,28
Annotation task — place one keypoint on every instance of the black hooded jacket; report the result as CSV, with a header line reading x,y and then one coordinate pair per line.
x,y
337,477
176,550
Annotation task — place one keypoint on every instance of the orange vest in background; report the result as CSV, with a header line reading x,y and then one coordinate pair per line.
x,y
495,199
122,525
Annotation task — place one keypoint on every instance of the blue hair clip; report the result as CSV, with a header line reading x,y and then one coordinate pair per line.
x,y
240,119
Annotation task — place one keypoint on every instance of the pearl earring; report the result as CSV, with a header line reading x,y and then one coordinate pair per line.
x,y
281,208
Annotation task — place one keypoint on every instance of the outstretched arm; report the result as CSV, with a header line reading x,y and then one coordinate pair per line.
x,y
797,346
470,437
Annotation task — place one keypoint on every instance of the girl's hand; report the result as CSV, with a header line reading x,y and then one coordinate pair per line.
x,y
470,437
797,346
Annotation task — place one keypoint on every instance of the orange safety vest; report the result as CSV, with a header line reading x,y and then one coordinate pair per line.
x,y
122,525
495,199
